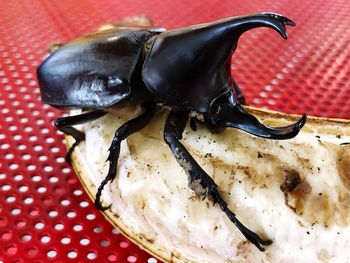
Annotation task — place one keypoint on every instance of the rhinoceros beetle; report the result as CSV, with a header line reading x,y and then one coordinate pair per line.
x,y
186,70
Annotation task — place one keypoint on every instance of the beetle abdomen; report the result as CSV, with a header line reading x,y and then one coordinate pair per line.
x,y
93,71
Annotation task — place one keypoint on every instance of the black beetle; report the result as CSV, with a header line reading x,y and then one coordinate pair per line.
x,y
187,70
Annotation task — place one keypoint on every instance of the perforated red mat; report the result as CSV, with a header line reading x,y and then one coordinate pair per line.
x,y
44,214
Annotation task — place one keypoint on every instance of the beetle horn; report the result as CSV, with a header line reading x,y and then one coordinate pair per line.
x,y
199,56
272,20
239,24
228,113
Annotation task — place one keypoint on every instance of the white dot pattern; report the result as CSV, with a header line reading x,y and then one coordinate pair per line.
x,y
45,216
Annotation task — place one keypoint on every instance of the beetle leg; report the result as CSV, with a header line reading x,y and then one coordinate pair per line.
x,y
65,124
122,133
194,121
207,123
199,181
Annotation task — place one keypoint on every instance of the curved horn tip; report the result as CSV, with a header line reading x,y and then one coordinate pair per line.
x,y
294,129
297,126
286,132
281,18
290,22
285,35
280,22
302,120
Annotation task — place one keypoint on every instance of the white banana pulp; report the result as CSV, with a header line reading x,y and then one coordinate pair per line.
x,y
152,204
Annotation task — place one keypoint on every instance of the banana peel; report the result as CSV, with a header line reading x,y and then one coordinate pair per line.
x,y
295,192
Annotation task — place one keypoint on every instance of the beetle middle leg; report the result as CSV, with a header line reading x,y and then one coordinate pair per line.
x,y
65,124
198,180
122,133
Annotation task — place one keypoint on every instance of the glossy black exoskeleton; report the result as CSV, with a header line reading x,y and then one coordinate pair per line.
x,y
186,69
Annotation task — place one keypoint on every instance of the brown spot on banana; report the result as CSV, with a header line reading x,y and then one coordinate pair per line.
x,y
343,166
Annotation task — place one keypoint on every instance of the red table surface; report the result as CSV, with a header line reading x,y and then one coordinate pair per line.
x,y
44,214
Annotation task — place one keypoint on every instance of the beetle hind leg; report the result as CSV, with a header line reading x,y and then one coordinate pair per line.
x,y
198,180
65,125
122,133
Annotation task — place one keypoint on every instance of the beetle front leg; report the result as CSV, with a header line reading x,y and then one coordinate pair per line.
x,y
198,180
206,122
65,124
122,133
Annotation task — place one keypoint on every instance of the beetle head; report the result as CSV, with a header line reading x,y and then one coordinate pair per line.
x,y
188,68
227,112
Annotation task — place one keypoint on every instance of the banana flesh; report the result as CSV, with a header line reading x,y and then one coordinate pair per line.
x,y
295,192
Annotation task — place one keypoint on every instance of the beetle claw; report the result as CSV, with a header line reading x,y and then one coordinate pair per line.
x,y
99,206
250,235
68,156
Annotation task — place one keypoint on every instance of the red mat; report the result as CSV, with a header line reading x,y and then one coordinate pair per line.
x,y
44,214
